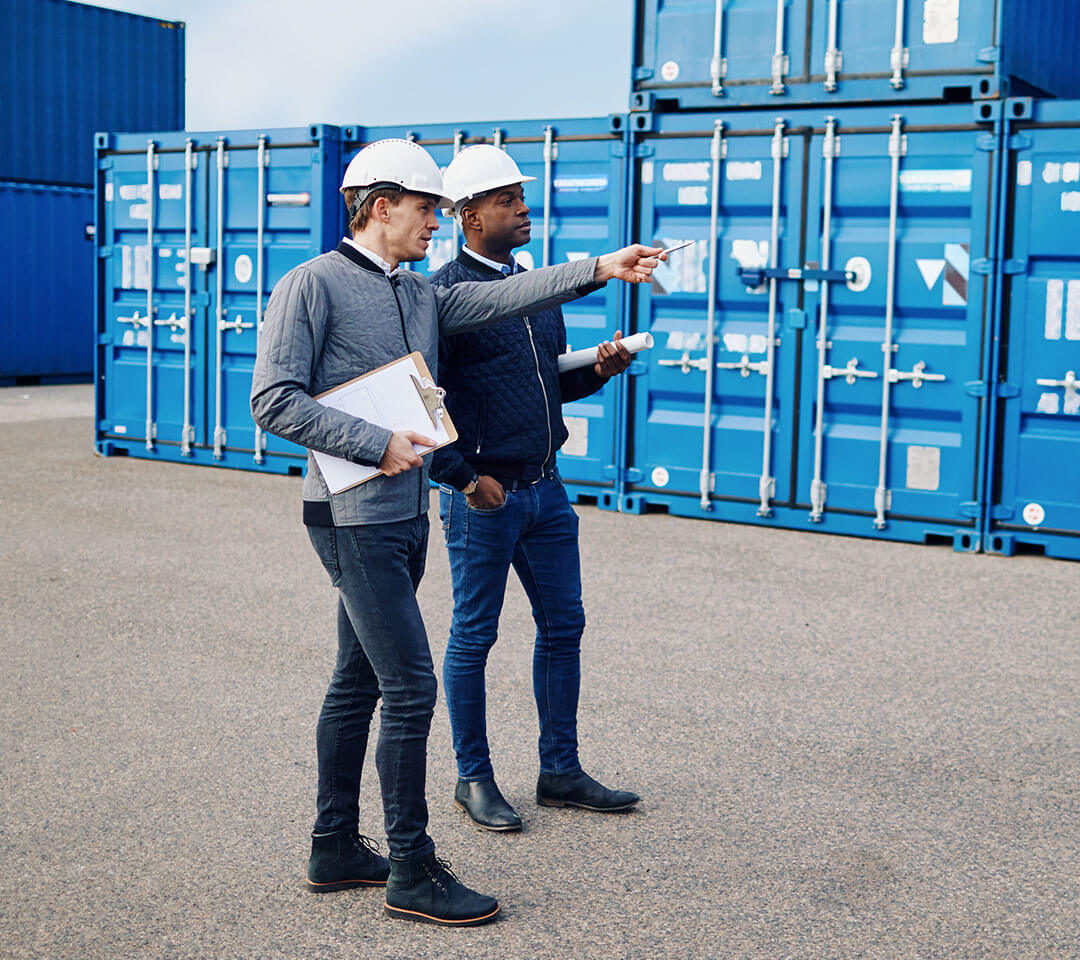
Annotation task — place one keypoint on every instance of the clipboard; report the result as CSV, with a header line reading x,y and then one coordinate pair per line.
x,y
399,395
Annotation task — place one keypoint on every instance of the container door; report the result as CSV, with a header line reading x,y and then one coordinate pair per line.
x,y
153,284
267,205
896,39
713,417
890,412
721,43
1038,484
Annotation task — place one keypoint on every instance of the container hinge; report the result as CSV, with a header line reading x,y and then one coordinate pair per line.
x,y
644,150
987,142
1007,390
104,252
105,163
618,148
970,508
1020,141
983,265
633,475
610,471
975,388
989,55
643,73
1001,512
1014,266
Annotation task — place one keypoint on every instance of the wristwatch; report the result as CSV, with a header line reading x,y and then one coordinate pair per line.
x,y
470,488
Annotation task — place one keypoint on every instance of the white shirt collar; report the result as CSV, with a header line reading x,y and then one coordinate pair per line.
x,y
503,268
373,257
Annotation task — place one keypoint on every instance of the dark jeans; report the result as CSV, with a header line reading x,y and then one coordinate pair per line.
x,y
535,531
382,649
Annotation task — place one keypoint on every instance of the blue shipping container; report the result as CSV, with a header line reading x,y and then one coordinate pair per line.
x,y
1034,500
194,230
825,245
577,209
46,283
71,70
714,53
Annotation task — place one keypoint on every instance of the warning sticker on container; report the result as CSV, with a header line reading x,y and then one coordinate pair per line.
x,y
577,444
941,21
660,477
1055,302
134,191
580,184
1023,173
743,170
1033,514
1070,201
170,191
676,172
923,468
1055,172
139,211
646,171
670,71
954,292
693,195
935,181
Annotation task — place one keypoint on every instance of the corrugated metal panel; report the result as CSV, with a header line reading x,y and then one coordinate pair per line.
x,y
46,282
786,414
714,53
1035,496
161,393
71,70
585,181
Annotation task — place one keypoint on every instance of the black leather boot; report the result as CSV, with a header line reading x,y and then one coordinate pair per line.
x,y
427,891
340,861
581,790
485,805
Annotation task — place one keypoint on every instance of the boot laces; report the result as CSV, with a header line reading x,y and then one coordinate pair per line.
x,y
438,875
366,845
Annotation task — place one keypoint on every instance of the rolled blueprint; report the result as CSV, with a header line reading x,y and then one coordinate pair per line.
x,y
587,357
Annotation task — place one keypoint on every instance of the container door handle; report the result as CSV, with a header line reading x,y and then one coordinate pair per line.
x,y
716,155
263,161
151,165
219,428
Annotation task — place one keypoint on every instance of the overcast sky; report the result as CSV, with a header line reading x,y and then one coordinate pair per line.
x,y
270,63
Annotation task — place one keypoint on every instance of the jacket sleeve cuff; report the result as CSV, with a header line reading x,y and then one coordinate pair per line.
x,y
461,476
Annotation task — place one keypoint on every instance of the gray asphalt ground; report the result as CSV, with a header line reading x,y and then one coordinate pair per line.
x,y
846,748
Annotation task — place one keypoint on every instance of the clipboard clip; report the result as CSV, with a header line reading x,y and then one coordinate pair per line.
x,y
432,397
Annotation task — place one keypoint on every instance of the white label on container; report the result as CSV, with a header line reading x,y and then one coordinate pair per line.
x,y
108,192
743,170
1051,172
573,255
1034,514
693,195
735,342
681,172
1070,172
1072,402
134,191
142,338
242,268
1023,173
128,339
936,181
1055,298
1070,201
524,258
759,343
670,71
178,338
930,270
923,468
1048,403
941,21
288,199
577,444
682,340
579,184
166,253
646,171
660,477
1072,311
171,191
139,211
125,267
119,428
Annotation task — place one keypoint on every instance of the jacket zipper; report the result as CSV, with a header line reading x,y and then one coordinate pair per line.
x,y
481,412
547,406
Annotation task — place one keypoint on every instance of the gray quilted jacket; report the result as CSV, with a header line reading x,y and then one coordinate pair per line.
x,y
339,316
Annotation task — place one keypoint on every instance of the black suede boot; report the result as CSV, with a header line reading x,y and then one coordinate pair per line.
x,y
340,861
427,891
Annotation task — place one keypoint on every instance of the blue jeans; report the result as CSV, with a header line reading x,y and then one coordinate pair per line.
x,y
382,650
536,532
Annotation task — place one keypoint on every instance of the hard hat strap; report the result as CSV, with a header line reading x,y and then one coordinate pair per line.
x,y
362,193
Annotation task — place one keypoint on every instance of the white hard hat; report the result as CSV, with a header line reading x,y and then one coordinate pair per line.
x,y
393,163
476,170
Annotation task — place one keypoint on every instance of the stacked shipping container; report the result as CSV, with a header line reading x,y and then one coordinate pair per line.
x,y
847,347
69,70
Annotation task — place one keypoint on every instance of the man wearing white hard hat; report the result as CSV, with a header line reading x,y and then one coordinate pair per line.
x,y
503,504
334,318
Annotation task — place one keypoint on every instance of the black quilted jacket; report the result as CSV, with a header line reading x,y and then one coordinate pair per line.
x,y
497,388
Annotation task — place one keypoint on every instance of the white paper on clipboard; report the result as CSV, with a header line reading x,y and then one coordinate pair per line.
x,y
387,397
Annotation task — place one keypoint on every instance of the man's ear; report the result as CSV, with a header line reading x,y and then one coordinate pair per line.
x,y
380,209
471,219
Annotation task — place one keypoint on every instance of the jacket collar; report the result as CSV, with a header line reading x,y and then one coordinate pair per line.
x,y
350,252
482,268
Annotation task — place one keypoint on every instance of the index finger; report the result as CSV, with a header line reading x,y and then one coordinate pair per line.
x,y
414,437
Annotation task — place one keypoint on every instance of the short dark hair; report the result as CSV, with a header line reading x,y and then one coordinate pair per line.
x,y
358,222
